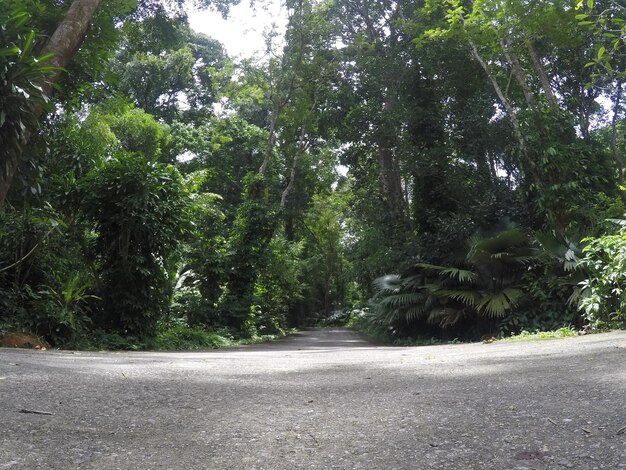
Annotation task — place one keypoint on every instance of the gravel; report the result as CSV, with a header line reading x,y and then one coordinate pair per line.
x,y
323,399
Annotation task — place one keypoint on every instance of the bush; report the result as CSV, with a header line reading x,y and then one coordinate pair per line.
x,y
603,299
140,211
485,286
184,337
44,284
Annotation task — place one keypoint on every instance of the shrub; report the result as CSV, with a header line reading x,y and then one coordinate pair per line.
x,y
140,211
486,284
603,299
182,337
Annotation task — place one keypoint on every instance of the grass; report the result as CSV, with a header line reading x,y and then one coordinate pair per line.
x,y
563,332
181,338
174,338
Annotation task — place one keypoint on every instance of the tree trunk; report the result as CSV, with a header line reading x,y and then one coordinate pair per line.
x,y
517,128
543,76
290,185
390,183
271,139
64,44
615,150
518,73
70,33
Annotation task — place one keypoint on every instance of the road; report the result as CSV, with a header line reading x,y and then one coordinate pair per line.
x,y
323,399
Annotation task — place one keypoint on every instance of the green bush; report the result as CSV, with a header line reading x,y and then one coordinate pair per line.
x,y
140,211
562,332
603,299
486,284
183,337
41,291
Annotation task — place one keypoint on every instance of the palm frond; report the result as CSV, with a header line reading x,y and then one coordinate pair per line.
x,y
508,246
469,297
446,316
413,312
388,284
462,275
560,248
497,304
400,300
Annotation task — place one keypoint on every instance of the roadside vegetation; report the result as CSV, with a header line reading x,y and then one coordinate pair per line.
x,y
451,171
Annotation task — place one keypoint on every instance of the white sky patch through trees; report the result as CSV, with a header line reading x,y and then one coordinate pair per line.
x,y
242,32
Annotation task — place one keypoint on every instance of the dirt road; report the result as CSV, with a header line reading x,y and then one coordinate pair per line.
x,y
321,399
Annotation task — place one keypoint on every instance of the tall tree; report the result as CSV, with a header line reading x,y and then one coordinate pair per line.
x,y
63,45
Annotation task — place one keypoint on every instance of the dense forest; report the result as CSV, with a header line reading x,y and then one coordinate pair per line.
x,y
416,168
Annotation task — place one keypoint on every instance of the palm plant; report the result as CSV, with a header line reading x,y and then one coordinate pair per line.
x,y
485,283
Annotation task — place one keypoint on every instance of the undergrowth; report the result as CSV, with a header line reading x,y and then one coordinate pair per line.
x,y
173,338
361,322
563,332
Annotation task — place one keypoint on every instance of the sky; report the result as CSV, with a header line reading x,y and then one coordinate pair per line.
x,y
242,32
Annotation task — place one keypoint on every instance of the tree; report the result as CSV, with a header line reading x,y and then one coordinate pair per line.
x,y
140,211
60,49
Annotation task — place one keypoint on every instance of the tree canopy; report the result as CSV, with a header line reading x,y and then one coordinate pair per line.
x,y
418,167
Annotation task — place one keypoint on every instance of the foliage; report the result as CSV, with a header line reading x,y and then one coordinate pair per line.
x,y
606,21
279,285
139,210
182,337
138,132
603,300
66,307
486,283
326,267
22,74
253,229
40,291
173,194
563,332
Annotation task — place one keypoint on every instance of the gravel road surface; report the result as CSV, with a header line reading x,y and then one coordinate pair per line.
x,y
323,399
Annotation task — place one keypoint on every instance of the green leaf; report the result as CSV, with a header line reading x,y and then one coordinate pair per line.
x,y
7,51
497,304
28,44
601,52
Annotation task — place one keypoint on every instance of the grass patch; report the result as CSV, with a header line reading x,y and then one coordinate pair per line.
x,y
173,338
184,338
564,332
